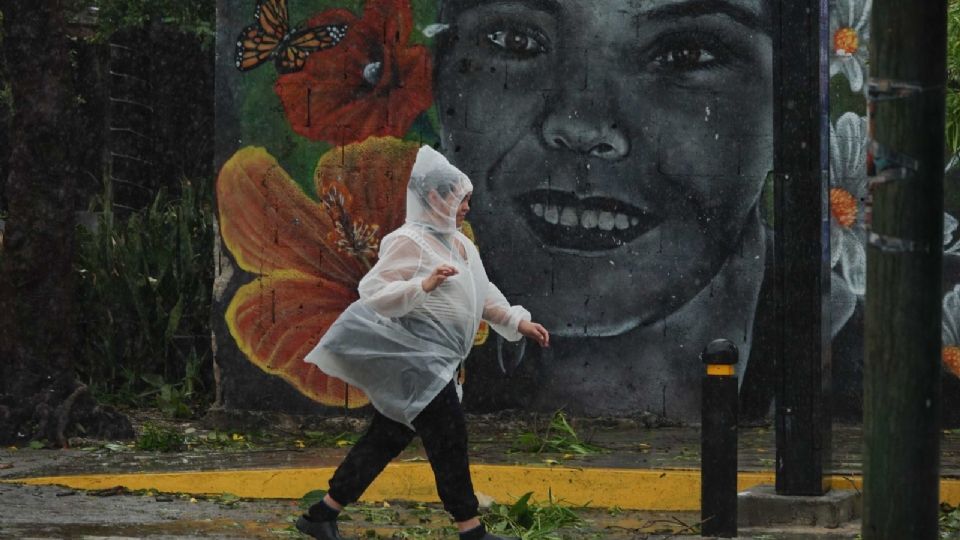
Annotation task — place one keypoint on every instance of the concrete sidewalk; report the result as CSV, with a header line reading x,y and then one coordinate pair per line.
x,y
643,483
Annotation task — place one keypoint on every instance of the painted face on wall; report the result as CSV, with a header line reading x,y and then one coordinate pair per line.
x,y
618,148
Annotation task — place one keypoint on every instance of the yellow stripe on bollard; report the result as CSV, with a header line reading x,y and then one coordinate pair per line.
x,y
720,370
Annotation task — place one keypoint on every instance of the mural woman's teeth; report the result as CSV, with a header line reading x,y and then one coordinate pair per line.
x,y
568,216
606,221
551,214
589,219
565,220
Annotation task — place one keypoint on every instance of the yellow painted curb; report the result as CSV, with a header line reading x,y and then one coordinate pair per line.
x,y
635,489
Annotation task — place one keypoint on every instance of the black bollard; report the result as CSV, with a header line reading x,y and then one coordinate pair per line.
x,y
718,441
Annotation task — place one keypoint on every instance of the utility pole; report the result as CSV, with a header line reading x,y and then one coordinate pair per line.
x,y
801,256
904,267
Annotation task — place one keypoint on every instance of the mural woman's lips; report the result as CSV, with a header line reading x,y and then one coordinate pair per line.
x,y
563,220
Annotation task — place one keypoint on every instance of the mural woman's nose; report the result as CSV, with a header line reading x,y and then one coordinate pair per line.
x,y
585,133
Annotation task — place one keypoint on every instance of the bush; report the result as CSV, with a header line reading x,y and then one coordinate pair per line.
x,y
144,303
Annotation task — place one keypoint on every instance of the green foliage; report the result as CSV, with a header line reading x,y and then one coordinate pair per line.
x,y
375,515
949,522
329,440
197,17
220,441
953,77
157,438
311,498
144,302
559,437
530,521
171,399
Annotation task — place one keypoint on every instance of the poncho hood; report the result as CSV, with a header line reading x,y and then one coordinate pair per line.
x,y
435,191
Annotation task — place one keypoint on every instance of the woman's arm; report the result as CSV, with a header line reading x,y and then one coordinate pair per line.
x,y
392,287
511,322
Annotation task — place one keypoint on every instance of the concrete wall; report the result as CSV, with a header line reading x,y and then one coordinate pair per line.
x,y
619,152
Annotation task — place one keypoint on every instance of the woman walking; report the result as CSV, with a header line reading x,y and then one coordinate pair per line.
x,y
404,342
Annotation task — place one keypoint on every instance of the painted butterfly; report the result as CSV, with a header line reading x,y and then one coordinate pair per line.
x,y
271,37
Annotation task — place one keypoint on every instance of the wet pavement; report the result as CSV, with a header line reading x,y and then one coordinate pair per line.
x,y
56,512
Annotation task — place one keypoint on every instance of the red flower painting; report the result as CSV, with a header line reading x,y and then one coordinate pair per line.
x,y
307,256
373,83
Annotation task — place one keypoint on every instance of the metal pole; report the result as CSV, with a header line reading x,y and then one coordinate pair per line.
x,y
801,251
718,441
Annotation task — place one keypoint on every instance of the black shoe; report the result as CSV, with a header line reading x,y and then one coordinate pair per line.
x,y
321,530
474,534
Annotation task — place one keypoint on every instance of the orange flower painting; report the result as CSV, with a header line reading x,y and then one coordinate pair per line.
x,y
307,255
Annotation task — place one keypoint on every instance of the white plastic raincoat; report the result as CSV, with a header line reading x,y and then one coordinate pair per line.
x,y
400,344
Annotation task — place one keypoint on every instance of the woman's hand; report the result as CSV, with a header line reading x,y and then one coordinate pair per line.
x,y
535,331
438,276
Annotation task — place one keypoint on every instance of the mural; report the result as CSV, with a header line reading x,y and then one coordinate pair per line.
x,y
620,152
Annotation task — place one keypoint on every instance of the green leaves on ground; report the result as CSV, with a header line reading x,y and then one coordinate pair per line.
x,y
326,440
949,522
530,521
559,437
157,437
311,498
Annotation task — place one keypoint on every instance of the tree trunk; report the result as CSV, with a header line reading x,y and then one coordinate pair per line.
x,y
904,264
39,396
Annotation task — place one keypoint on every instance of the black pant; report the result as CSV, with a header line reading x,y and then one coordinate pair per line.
x,y
442,429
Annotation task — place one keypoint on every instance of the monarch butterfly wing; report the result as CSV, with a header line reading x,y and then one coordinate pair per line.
x,y
260,40
273,18
303,42
254,47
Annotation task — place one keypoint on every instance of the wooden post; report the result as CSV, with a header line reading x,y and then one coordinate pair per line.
x,y
801,253
904,266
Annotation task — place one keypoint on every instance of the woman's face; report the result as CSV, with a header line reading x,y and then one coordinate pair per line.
x,y
618,147
463,209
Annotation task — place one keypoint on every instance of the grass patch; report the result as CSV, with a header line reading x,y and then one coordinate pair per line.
x,y
157,438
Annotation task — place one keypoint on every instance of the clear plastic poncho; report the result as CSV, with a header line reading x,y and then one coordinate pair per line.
x,y
400,344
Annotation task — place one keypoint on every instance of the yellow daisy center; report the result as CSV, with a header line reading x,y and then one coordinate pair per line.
x,y
951,359
843,207
846,40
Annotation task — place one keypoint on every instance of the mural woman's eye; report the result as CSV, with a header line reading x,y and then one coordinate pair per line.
x,y
683,58
682,54
517,43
